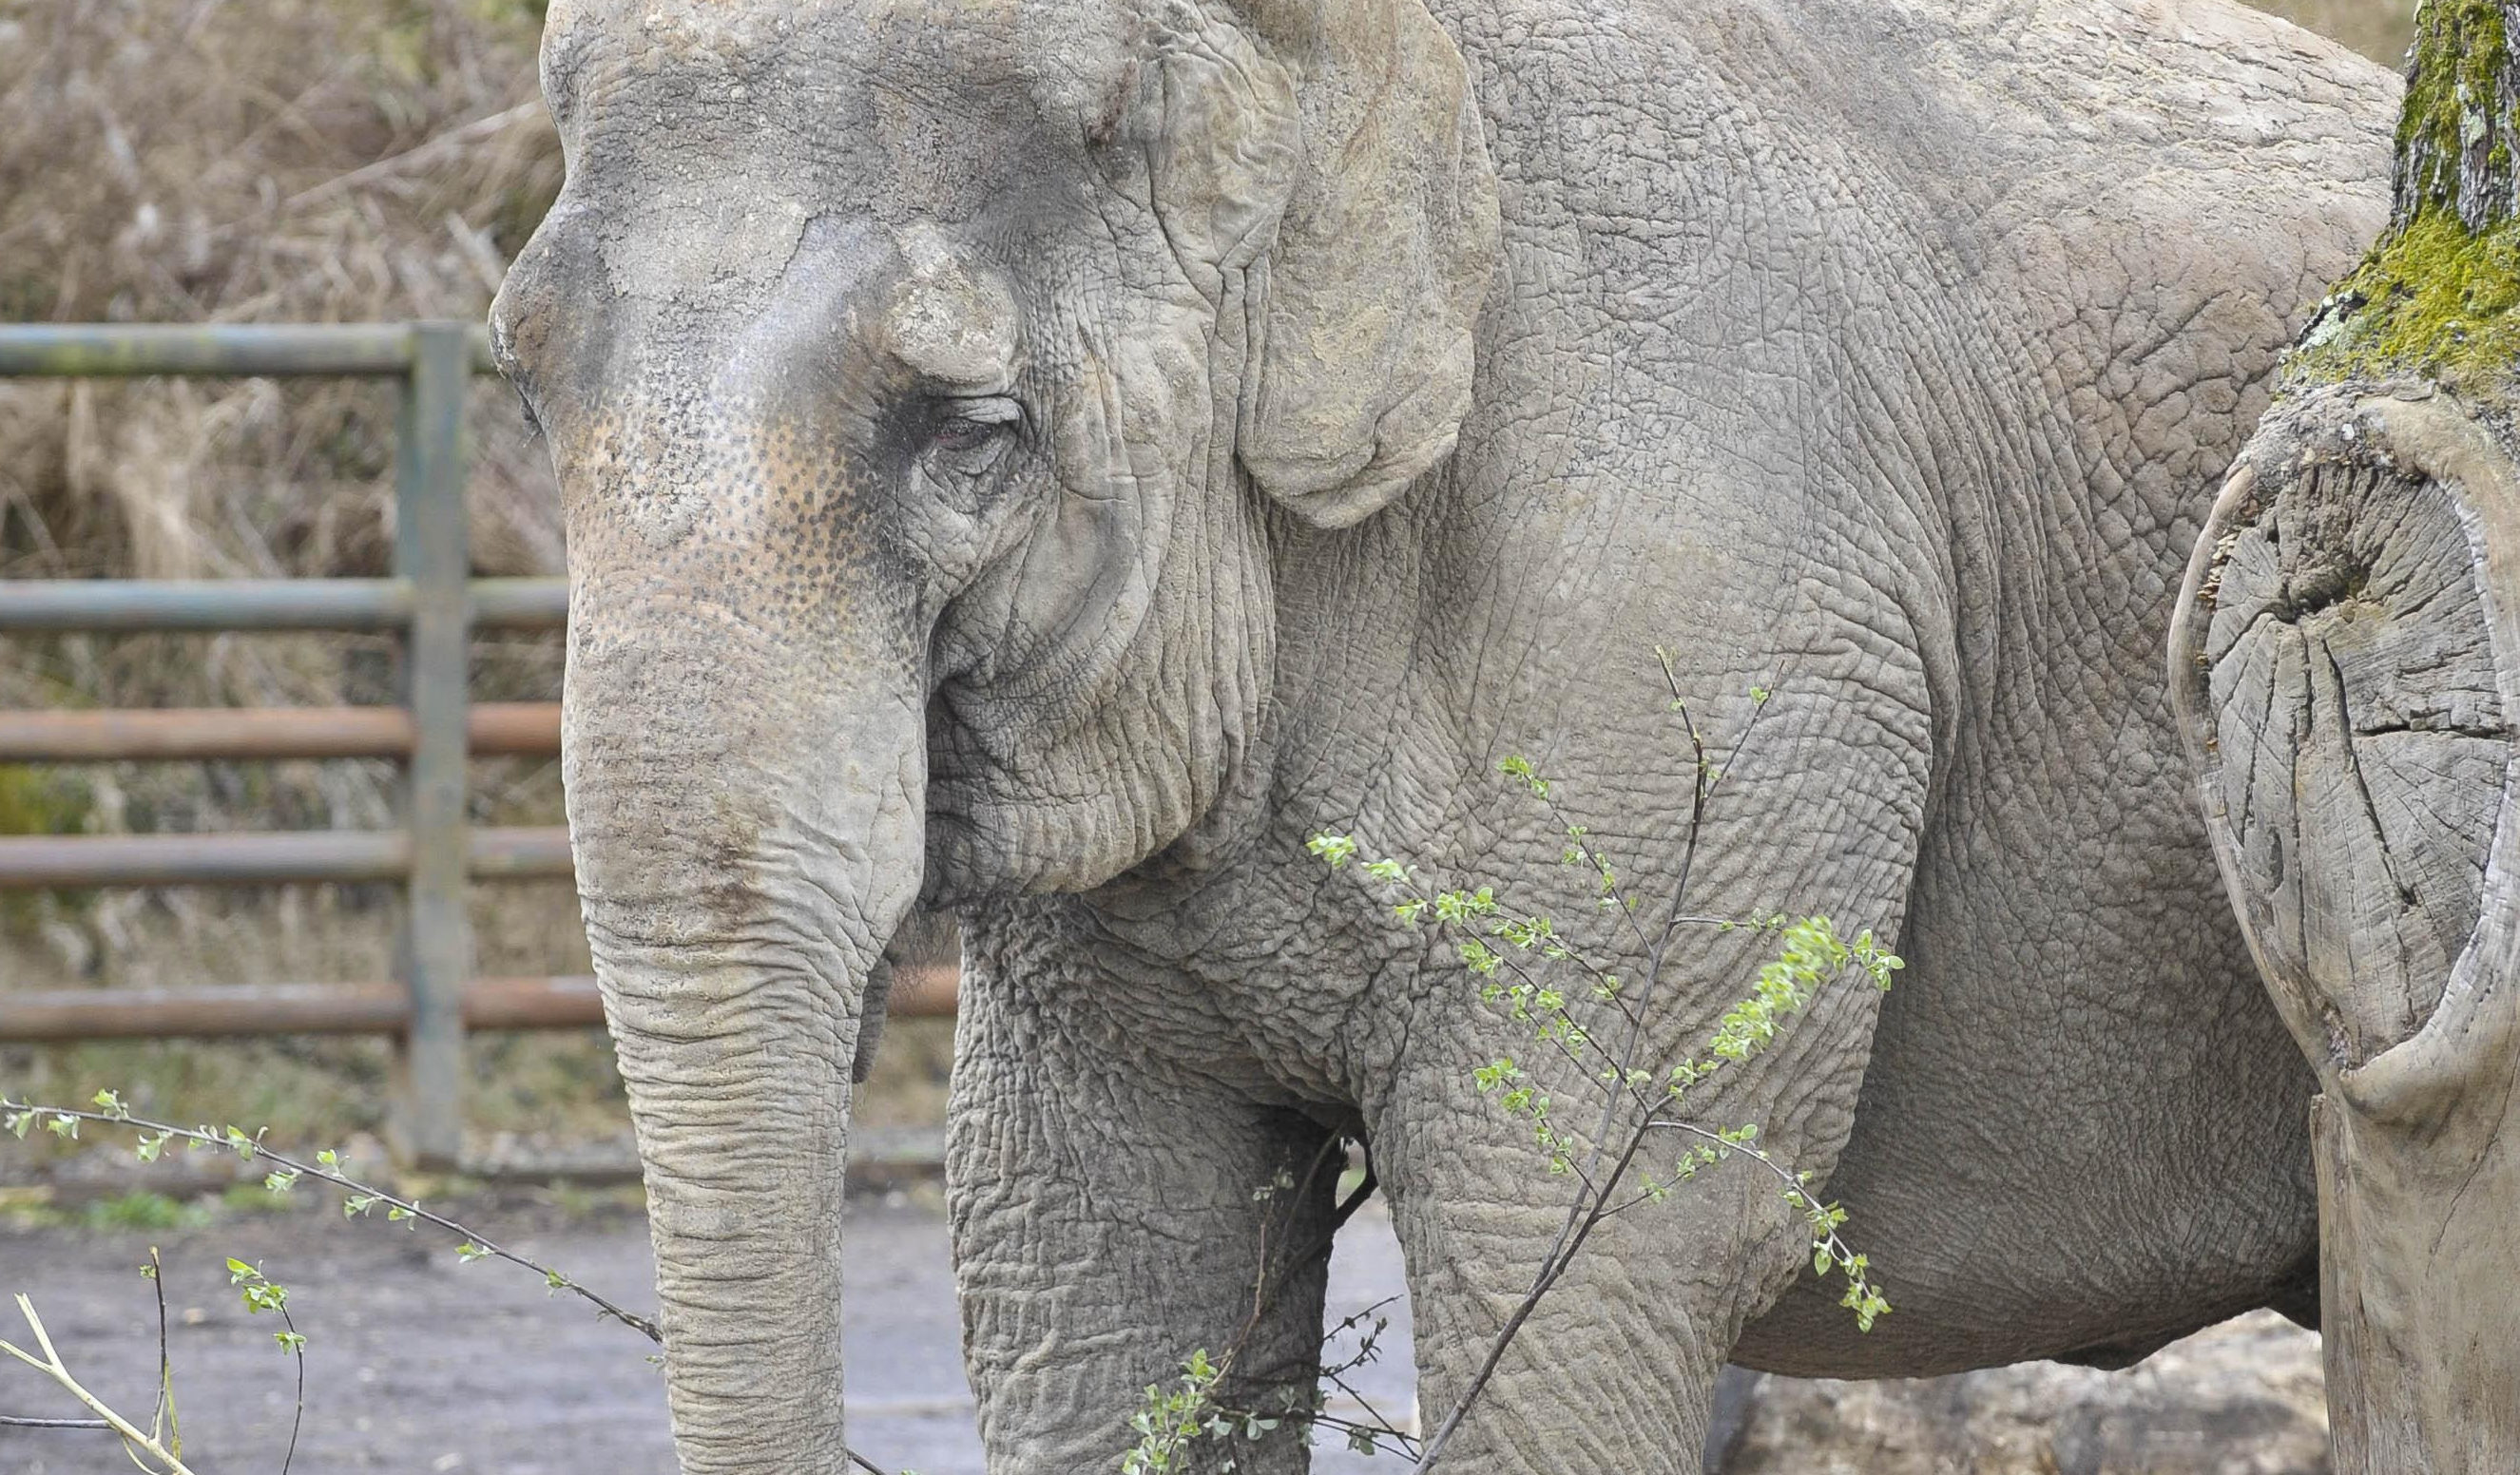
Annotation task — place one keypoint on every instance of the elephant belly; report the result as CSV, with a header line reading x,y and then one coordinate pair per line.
x,y
2084,1131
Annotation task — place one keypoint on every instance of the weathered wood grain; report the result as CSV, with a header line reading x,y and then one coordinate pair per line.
x,y
2359,744
2346,669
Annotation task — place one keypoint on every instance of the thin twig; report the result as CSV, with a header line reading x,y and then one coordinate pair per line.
x,y
1594,1205
162,1420
51,1365
483,1244
12,1421
297,1420
252,1146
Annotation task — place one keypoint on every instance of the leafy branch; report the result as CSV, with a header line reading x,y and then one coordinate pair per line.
x,y
359,1201
1516,959
261,1295
51,1365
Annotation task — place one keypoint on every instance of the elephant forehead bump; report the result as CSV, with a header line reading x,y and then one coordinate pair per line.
x,y
950,320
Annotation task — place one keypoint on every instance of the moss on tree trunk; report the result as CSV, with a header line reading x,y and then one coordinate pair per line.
x,y
2438,297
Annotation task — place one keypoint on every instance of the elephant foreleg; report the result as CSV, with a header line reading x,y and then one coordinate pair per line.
x,y
1111,1219
1614,1366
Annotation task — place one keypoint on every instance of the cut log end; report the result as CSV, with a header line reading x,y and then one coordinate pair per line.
x,y
2345,666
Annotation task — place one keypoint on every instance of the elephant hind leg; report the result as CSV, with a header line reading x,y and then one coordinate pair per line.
x,y
2297,1299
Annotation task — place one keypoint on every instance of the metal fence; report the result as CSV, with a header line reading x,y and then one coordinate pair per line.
x,y
435,605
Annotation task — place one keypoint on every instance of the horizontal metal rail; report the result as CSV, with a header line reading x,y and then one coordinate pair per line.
x,y
285,1009
113,350
36,862
53,1015
514,729
430,603
150,605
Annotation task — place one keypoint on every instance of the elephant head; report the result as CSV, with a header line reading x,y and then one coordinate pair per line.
x,y
925,380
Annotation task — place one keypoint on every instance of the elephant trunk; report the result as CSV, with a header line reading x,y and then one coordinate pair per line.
x,y
746,810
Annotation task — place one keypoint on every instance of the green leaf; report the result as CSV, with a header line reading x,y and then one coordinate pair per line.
x,y
1337,849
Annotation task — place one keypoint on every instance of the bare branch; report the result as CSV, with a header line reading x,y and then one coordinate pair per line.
x,y
252,1146
51,1365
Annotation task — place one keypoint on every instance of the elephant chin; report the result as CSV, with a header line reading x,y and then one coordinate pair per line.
x,y
739,884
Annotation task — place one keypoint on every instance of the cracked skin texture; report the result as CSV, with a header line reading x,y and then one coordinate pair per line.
x,y
1387,384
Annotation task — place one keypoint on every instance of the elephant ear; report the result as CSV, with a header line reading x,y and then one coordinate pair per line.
x,y
1362,355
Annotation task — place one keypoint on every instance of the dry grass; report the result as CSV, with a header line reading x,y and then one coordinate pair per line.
x,y
236,161
276,161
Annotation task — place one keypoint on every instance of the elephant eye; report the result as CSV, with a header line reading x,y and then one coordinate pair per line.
x,y
961,426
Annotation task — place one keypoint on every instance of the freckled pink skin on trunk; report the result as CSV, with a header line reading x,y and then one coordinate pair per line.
x,y
745,754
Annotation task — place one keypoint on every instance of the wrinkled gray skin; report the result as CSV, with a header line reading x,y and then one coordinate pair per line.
x,y
1061,454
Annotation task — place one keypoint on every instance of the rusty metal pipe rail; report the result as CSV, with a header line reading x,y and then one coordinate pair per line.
x,y
514,729
56,1015
37,863
432,605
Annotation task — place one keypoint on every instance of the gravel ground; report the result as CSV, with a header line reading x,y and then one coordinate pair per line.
x,y
416,1363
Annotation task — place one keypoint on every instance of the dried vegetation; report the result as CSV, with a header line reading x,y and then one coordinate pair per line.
x,y
259,161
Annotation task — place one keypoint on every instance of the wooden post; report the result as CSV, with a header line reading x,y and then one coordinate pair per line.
x,y
2345,666
431,550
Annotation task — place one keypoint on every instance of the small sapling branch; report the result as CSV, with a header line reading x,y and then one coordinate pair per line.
x,y
360,1200
51,1365
1508,953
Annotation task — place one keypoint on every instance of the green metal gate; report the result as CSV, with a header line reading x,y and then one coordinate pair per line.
x,y
434,605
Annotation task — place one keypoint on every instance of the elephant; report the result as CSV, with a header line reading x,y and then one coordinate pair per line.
x,y
1050,460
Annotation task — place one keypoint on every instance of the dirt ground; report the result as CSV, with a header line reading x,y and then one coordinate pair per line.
x,y
416,1363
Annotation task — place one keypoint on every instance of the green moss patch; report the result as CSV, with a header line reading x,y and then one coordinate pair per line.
x,y
2457,96
2433,300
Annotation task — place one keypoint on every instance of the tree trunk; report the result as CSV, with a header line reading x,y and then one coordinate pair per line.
x,y
2345,664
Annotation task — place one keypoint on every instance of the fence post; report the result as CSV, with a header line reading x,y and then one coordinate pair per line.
x,y
431,550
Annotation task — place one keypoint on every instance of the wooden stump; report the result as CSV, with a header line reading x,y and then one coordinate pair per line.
x,y
2345,666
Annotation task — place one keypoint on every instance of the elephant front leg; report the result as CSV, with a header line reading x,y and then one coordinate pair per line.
x,y
1110,1221
1549,1341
